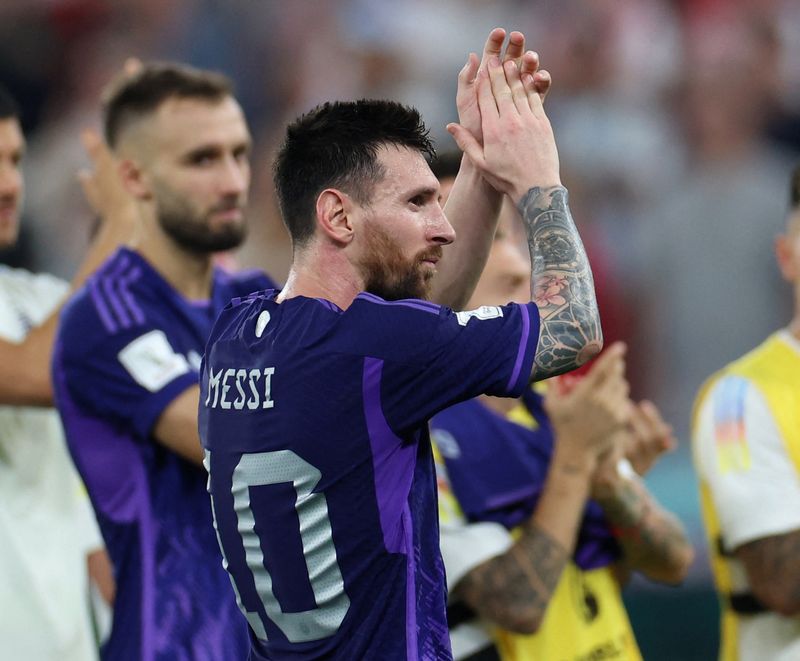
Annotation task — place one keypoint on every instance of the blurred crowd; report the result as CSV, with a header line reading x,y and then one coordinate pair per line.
x,y
678,123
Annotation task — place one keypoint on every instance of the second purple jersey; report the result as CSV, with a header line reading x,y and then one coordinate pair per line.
x,y
127,346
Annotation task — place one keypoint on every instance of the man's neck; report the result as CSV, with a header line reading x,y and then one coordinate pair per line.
x,y
190,274
316,274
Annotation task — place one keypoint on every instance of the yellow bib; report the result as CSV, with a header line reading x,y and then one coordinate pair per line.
x,y
774,369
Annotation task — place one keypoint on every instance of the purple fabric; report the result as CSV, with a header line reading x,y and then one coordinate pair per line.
x,y
412,653
124,290
102,309
408,303
393,463
523,345
111,296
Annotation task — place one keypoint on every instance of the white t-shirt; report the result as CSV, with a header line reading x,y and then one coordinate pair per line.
x,y
755,489
47,525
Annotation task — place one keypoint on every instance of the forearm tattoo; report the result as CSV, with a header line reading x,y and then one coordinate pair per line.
x,y
653,541
561,284
512,590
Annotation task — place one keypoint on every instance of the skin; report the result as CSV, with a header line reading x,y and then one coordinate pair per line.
x,y
189,158
518,138
25,366
12,148
771,562
591,423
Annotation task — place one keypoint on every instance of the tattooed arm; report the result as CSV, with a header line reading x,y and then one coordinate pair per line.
x,y
519,157
773,571
561,284
653,540
512,590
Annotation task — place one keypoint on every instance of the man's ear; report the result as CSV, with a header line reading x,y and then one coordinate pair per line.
x,y
134,179
785,256
335,215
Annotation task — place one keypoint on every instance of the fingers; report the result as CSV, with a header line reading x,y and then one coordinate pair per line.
x,y
608,364
530,62
515,47
500,89
518,93
467,143
132,66
467,74
487,98
656,425
493,46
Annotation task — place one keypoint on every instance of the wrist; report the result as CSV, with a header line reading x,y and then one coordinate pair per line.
x,y
537,195
576,463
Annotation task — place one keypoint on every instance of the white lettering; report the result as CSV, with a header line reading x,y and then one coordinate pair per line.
x,y
252,403
248,389
213,385
239,403
268,372
224,403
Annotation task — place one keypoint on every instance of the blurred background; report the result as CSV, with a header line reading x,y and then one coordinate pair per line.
x,y
678,122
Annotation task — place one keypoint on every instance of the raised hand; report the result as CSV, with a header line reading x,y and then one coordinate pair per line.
x,y
102,184
528,61
518,150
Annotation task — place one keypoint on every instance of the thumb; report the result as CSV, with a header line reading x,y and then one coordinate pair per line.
x,y
467,143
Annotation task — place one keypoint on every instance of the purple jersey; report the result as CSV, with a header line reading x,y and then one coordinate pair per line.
x,y
127,346
314,422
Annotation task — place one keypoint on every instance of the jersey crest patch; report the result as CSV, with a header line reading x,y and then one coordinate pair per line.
x,y
152,362
482,313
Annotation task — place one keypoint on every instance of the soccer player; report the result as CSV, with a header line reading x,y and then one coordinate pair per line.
x,y
746,442
315,399
127,358
48,534
537,522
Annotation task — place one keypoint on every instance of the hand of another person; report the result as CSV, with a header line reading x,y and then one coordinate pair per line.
x,y
649,438
588,417
469,114
102,185
519,150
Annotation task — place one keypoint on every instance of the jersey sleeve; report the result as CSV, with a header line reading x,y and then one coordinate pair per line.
x,y
428,357
129,376
742,457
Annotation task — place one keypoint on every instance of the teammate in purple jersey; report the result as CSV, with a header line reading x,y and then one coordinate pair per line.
x,y
127,357
315,399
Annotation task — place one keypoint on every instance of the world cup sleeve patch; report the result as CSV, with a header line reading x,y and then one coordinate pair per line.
x,y
483,313
152,362
730,438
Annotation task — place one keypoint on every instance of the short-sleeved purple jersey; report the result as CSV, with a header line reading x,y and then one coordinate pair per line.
x,y
128,344
314,422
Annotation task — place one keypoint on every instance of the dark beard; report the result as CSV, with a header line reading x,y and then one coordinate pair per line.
x,y
192,232
389,275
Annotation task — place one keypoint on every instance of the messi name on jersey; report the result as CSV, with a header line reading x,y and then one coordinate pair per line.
x,y
251,388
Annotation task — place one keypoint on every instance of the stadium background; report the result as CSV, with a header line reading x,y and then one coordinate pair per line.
x,y
678,123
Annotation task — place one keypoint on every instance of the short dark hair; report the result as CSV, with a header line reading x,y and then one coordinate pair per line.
x,y
794,189
446,164
8,105
132,96
336,145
